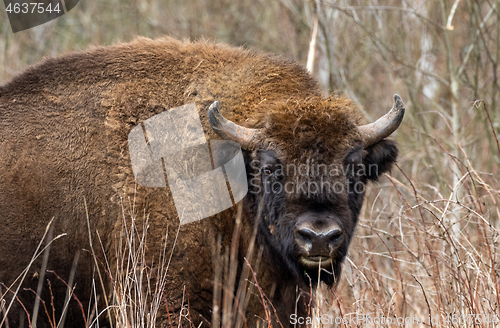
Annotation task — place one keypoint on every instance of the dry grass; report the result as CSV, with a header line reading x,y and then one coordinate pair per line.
x,y
137,285
427,242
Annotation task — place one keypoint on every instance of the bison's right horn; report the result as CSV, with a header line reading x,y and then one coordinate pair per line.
x,y
384,126
229,130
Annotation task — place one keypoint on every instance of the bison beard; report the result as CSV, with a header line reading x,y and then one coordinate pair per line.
x,y
63,138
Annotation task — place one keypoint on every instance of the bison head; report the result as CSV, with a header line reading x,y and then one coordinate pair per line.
x,y
307,164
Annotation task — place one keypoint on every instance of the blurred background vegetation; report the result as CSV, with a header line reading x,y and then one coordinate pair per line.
x,y
427,242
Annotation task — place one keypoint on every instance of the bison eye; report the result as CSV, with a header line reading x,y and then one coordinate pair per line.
x,y
267,171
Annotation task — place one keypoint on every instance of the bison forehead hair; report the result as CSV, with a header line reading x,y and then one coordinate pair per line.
x,y
325,126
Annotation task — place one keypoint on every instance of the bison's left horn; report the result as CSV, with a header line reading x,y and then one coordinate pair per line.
x,y
229,130
386,125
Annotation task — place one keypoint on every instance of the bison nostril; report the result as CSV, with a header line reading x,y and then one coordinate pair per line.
x,y
334,234
335,238
304,238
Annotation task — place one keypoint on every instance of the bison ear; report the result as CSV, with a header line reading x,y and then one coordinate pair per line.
x,y
379,158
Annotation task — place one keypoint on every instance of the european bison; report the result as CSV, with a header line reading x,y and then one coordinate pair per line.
x,y
64,127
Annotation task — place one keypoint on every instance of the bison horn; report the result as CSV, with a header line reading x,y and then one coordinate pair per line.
x,y
229,130
386,125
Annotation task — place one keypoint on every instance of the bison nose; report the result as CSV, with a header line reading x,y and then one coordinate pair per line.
x,y
318,242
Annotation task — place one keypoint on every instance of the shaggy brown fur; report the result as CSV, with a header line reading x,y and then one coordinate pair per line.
x,y
64,126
